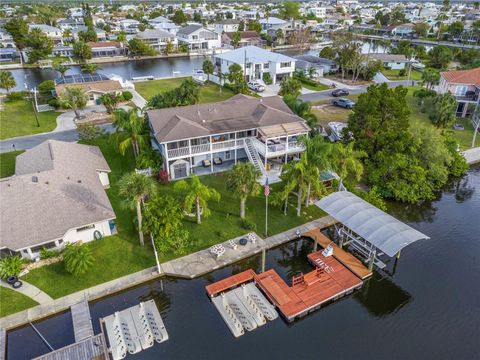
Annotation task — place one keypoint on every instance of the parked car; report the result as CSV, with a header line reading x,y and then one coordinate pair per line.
x,y
340,92
344,103
256,86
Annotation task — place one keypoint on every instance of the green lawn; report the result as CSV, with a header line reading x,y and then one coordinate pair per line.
x,y
394,75
318,87
12,301
18,119
7,163
463,137
326,112
119,255
224,222
115,256
209,92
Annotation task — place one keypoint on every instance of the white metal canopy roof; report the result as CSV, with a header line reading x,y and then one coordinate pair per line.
x,y
382,230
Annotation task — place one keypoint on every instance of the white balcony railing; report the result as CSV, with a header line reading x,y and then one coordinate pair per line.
x,y
198,149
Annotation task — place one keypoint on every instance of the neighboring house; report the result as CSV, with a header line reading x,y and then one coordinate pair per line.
x,y
322,65
162,23
157,39
130,26
101,34
6,40
228,25
71,23
405,31
94,85
197,37
209,138
271,21
8,54
318,11
257,62
105,48
57,196
247,38
52,32
465,86
391,61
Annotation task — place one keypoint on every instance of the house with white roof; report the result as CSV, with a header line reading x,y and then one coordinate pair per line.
x,y
208,138
198,37
255,62
129,26
157,39
57,196
267,23
227,25
164,24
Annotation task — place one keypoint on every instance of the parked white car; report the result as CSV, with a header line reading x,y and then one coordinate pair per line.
x,y
256,86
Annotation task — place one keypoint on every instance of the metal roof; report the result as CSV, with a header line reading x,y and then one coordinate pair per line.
x,y
382,230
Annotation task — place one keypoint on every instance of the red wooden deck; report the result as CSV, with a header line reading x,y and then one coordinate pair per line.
x,y
311,290
230,282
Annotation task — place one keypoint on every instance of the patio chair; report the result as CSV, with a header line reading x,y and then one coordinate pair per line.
x,y
206,163
217,161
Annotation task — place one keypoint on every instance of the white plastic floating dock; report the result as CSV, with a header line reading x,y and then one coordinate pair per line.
x,y
244,308
134,329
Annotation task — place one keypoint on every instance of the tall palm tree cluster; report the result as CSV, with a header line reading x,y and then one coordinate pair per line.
x,y
303,177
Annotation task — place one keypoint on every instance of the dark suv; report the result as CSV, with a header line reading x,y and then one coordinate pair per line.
x,y
340,92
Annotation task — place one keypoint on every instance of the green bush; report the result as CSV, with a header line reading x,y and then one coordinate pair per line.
x,y
127,95
46,87
17,95
10,266
267,78
248,225
402,72
77,258
54,103
48,253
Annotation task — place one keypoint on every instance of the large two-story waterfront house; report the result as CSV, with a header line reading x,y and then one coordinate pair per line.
x,y
210,138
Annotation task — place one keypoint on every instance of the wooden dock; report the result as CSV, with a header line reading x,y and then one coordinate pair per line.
x,y
82,322
93,348
230,282
347,259
308,291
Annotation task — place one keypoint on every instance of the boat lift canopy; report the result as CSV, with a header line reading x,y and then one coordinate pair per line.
x,y
376,227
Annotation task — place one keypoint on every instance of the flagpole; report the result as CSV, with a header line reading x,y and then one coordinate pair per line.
x,y
266,216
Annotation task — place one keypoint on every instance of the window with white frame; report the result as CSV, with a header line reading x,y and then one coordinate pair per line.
x,y
461,90
285,64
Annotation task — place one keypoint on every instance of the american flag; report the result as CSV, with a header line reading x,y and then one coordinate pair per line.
x,y
266,188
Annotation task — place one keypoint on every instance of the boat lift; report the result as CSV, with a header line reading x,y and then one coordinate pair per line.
x,y
366,229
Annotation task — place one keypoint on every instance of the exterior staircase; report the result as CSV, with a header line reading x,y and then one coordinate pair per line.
x,y
253,156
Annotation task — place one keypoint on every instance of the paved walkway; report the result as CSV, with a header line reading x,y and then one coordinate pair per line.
x,y
472,156
202,262
186,267
138,99
31,291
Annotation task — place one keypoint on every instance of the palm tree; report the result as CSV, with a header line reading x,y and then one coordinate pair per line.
x,y
62,69
122,39
317,152
134,187
77,258
131,131
242,181
7,81
302,176
196,194
67,34
302,109
207,68
74,98
346,162
220,78
90,68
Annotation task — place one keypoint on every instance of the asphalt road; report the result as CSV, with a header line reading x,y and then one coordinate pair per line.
x,y
27,142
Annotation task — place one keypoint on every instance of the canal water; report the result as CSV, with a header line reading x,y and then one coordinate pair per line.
x,y
181,66
427,307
